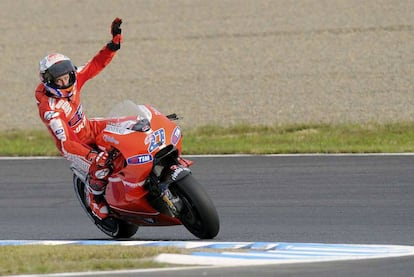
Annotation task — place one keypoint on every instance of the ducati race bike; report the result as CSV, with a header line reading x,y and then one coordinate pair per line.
x,y
150,184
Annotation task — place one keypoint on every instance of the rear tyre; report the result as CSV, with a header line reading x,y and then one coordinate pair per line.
x,y
113,227
198,214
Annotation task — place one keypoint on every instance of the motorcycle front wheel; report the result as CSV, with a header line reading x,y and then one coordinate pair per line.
x,y
113,227
198,213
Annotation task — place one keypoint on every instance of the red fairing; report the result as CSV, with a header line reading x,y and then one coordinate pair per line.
x,y
125,191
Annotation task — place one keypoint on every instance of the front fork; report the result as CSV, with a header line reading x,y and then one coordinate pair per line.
x,y
173,203
158,183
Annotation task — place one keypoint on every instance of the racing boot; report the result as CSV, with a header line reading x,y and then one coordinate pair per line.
x,y
98,179
96,199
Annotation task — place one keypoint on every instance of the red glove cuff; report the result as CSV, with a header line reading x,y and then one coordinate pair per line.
x,y
117,39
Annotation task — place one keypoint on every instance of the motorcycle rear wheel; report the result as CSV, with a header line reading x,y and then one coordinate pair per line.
x,y
198,214
113,227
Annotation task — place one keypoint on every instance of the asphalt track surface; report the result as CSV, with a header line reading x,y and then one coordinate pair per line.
x,y
320,199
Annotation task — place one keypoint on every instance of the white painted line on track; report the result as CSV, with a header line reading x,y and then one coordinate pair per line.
x,y
240,155
285,253
31,158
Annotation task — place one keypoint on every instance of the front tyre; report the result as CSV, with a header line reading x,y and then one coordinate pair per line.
x,y
198,214
112,227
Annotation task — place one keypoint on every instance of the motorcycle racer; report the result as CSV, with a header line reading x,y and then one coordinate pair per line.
x,y
60,109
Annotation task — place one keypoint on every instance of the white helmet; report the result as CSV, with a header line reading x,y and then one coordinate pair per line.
x,y
53,66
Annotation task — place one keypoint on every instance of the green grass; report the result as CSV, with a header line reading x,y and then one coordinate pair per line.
x,y
27,143
372,138
349,138
35,259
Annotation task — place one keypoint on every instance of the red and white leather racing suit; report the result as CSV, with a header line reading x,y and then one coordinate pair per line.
x,y
72,131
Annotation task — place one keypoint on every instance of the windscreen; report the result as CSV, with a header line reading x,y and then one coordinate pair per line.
x,y
129,108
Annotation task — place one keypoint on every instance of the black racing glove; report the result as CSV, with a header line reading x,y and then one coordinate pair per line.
x,y
115,43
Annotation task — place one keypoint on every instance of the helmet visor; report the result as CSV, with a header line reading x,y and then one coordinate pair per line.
x,y
61,68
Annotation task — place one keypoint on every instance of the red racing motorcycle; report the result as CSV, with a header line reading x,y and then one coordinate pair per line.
x,y
150,184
